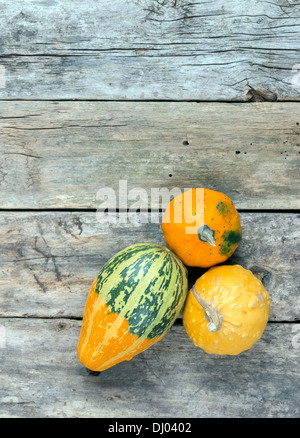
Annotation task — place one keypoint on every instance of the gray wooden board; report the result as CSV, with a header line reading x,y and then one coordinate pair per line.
x,y
49,260
41,376
60,154
57,155
148,49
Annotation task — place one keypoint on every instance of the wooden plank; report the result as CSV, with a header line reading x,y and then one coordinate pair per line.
x,y
59,154
49,260
41,376
162,50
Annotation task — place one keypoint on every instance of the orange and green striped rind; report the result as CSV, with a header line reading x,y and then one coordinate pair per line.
x,y
133,302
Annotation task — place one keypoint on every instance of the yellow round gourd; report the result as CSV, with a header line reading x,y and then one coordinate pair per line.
x,y
226,311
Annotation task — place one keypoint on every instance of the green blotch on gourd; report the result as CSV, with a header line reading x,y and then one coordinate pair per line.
x,y
230,240
223,208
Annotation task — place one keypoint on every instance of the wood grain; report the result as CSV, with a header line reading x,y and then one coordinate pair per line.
x,y
57,149
60,154
149,49
41,376
49,260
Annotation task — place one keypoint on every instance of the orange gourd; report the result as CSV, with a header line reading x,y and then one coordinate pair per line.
x,y
226,311
202,227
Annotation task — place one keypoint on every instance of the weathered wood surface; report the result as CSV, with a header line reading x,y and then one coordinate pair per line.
x,y
148,49
41,376
49,260
59,154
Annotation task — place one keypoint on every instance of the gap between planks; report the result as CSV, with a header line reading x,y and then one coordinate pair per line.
x,y
94,210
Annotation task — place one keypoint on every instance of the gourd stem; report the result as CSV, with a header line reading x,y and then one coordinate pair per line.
x,y
213,316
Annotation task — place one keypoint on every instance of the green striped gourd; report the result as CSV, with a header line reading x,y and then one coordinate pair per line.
x,y
133,302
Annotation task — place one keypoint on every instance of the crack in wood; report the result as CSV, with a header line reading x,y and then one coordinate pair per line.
x,y
257,95
19,153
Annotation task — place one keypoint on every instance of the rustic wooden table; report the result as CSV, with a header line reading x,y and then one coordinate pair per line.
x,y
160,94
